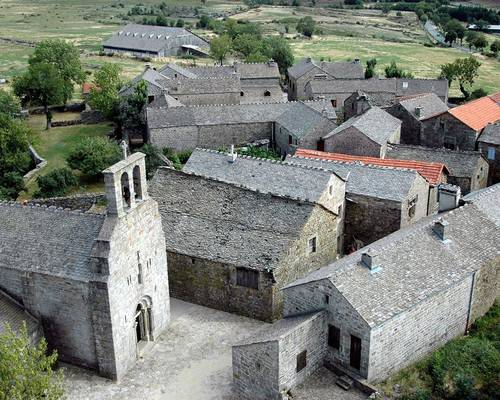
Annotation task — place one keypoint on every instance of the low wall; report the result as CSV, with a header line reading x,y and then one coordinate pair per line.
x,y
83,202
39,164
69,122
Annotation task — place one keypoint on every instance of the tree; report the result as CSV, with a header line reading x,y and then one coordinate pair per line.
x,y
153,159
370,68
9,105
93,155
204,21
245,44
464,70
306,26
480,42
40,85
104,95
494,47
470,38
220,47
478,93
278,49
65,58
56,183
393,71
26,370
131,108
179,23
454,30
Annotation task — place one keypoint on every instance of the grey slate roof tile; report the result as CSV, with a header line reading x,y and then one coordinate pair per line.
x,y
414,263
51,241
303,120
491,134
430,105
337,70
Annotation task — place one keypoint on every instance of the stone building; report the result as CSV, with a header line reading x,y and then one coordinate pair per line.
x,y
153,80
382,308
185,128
460,127
308,69
367,134
417,114
154,41
379,200
232,246
98,284
382,92
467,169
489,144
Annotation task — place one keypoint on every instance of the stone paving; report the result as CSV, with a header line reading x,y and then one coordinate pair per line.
x,y
191,360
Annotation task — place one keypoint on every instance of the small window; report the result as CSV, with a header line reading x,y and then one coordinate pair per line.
x,y
290,139
327,299
491,153
139,273
330,190
247,278
312,245
334,103
405,85
301,361
441,126
242,94
334,337
412,206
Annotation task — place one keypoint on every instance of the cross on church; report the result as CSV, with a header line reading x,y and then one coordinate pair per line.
x,y
124,147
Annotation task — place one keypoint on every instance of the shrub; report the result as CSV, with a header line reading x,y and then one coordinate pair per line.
x,y
153,160
478,93
259,152
93,155
56,183
11,184
184,156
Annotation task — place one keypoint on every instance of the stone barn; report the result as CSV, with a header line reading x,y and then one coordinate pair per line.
x,y
382,308
98,284
238,231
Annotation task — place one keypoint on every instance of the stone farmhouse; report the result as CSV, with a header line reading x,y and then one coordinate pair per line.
x,y
366,134
382,308
489,145
468,169
96,284
308,69
154,41
185,128
382,92
460,127
259,82
379,199
233,246
417,114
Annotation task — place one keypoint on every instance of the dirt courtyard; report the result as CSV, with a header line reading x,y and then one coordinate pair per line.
x,y
191,360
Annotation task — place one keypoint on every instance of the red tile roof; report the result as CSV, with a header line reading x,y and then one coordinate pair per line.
x,y
478,113
432,172
86,87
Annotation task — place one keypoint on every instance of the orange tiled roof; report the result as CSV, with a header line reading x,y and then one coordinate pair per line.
x,y
478,113
432,172
86,87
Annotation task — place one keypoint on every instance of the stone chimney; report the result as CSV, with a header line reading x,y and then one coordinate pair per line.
x,y
448,197
356,61
232,155
440,228
418,111
369,259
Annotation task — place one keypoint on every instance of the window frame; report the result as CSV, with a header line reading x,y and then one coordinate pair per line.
x,y
248,278
334,336
312,245
301,361
491,151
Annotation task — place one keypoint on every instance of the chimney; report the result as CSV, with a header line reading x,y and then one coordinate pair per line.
x,y
356,61
418,111
147,66
369,258
309,59
232,155
448,197
440,228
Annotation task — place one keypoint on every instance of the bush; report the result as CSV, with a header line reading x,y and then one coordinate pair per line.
x,y
478,93
56,183
11,184
93,155
153,160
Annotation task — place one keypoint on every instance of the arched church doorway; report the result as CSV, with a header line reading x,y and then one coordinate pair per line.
x,y
143,324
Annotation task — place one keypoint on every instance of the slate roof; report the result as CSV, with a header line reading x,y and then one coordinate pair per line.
x,y
153,79
430,105
257,70
432,172
367,180
337,70
459,163
45,240
13,314
375,123
242,70
171,69
269,176
166,101
323,106
144,37
491,134
414,264
303,120
197,86
214,220
279,329
487,200
478,113
393,86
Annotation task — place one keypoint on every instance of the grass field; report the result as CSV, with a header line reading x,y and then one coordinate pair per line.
x,y
56,144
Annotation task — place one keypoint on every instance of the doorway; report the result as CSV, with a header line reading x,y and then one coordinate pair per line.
x,y
355,357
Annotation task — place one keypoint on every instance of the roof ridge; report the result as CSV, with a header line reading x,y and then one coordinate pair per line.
x,y
441,149
45,207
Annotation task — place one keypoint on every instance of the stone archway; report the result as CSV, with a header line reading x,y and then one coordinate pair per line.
x,y
143,324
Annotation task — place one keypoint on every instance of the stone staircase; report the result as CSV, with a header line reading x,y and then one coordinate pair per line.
x,y
344,382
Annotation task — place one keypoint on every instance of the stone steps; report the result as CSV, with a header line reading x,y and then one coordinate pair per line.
x,y
344,382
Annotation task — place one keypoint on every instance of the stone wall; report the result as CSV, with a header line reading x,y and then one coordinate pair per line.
x,y
83,202
410,128
297,87
494,164
68,122
486,289
420,192
352,141
208,98
445,130
91,117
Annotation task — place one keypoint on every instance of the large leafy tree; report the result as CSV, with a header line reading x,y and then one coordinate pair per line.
x,y
278,49
9,105
464,71
26,369
221,47
306,26
104,95
41,85
131,109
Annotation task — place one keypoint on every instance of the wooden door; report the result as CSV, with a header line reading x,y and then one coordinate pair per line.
x,y
355,352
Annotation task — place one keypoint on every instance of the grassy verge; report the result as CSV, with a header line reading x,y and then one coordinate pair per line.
x,y
465,368
56,144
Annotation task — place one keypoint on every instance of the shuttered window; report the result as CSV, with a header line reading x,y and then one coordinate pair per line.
x,y
247,277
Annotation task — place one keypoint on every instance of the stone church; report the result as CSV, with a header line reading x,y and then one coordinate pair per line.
x,y
97,284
